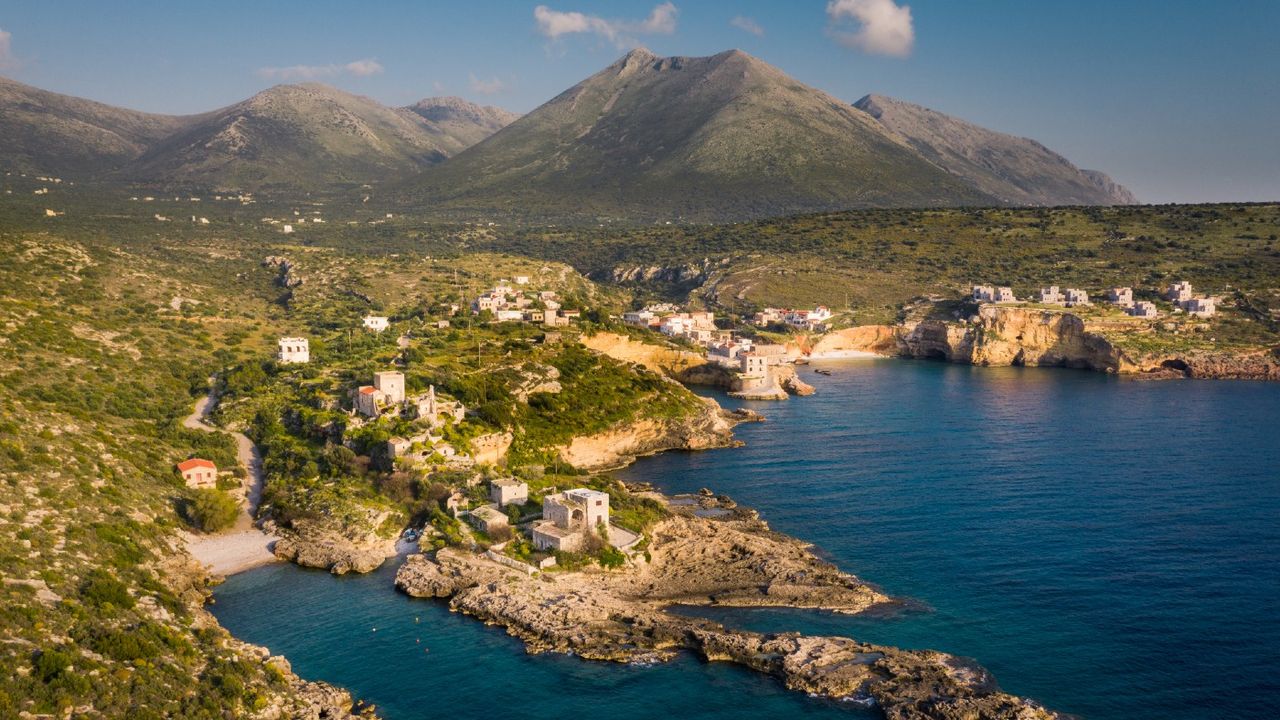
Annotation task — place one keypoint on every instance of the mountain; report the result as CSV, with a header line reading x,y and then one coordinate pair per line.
x,y
720,137
294,136
44,132
291,136
1015,170
460,124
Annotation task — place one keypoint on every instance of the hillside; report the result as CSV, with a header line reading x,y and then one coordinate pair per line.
x,y
689,138
1015,170
458,124
293,135
47,133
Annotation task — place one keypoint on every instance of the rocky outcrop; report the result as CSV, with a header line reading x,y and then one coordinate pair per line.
x,y
317,545
492,448
713,552
710,426
879,339
1012,336
790,382
662,359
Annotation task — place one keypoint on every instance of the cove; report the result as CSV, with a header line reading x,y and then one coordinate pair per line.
x,y
1106,546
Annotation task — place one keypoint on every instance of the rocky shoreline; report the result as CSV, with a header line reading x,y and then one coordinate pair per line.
x,y
1009,336
712,552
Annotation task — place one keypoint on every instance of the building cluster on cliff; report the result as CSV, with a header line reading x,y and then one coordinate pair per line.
x,y
506,304
1180,294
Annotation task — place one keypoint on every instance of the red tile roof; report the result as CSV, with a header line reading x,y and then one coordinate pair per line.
x,y
367,390
186,465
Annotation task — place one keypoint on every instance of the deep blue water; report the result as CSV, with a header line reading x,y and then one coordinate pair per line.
x,y
1110,547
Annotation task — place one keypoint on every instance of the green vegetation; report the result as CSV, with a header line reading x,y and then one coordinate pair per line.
x,y
212,510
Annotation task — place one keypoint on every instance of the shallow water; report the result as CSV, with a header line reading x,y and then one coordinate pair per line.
x,y
1107,546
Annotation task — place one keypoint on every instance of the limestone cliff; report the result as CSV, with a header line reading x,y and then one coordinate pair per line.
x,y
1002,336
709,427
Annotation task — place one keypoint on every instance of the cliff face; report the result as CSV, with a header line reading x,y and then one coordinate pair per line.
x,y
1003,336
710,427
1013,336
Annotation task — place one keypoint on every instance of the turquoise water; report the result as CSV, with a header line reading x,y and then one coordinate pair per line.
x,y
1109,547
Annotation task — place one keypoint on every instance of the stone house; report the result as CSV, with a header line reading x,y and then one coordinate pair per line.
x,y
1142,309
368,401
1003,294
488,518
1051,296
1076,296
1121,296
567,517
982,293
199,473
508,491
1201,306
294,350
391,384
754,365
376,323
1179,292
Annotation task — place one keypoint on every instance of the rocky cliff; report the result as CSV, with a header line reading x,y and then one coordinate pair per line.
x,y
1001,336
712,552
709,427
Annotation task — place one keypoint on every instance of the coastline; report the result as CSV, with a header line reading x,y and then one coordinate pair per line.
x,y
245,545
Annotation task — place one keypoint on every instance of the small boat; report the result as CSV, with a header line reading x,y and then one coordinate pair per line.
x,y
411,535
820,371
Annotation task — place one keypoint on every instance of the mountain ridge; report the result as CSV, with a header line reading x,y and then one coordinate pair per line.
x,y
1016,170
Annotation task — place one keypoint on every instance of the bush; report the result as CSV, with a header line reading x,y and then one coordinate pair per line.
x,y
212,510
100,589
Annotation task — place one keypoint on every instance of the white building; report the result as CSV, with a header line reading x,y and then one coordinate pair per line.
x,y
1003,294
1121,296
509,491
391,384
376,323
1201,306
1075,296
568,517
982,293
522,279
1143,309
1179,292
287,229
294,350
1051,296
807,319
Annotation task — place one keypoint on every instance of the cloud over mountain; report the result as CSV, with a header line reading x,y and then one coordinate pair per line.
x,y
554,23
880,27
355,68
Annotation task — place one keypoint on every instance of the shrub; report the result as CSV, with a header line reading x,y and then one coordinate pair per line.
x,y
100,589
212,510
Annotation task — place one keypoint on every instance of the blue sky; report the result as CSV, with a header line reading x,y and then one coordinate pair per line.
x,y
1179,100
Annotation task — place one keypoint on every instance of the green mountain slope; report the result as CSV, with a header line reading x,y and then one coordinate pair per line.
x,y
457,124
302,136
43,132
1017,171
726,136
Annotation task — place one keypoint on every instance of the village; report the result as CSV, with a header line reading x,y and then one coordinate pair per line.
x,y
1180,295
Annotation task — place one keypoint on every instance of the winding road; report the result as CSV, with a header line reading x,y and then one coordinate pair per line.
x,y
244,545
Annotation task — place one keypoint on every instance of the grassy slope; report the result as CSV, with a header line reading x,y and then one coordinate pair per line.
x,y
715,137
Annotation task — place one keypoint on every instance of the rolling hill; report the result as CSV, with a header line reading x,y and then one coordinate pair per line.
x,y
290,136
1015,170
304,136
710,138
48,133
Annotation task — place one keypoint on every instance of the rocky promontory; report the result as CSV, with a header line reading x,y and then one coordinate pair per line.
x,y
709,551
354,548
709,426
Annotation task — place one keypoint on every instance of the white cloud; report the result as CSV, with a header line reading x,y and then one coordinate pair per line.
x,y
357,68
7,60
554,23
748,25
491,86
882,27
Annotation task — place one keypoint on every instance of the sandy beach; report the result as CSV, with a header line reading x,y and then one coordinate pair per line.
x,y
843,355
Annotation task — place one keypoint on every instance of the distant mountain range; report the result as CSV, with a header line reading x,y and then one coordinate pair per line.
x,y
724,137
290,136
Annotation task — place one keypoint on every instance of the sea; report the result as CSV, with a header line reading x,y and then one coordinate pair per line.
x,y
1107,546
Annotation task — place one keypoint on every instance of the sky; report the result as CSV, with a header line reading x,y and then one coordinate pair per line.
x,y
1179,100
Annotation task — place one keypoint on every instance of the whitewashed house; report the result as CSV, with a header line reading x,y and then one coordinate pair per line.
x,y
1121,296
1052,296
376,323
1076,296
1143,309
294,350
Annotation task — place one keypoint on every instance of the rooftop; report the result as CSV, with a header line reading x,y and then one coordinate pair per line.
x,y
186,465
